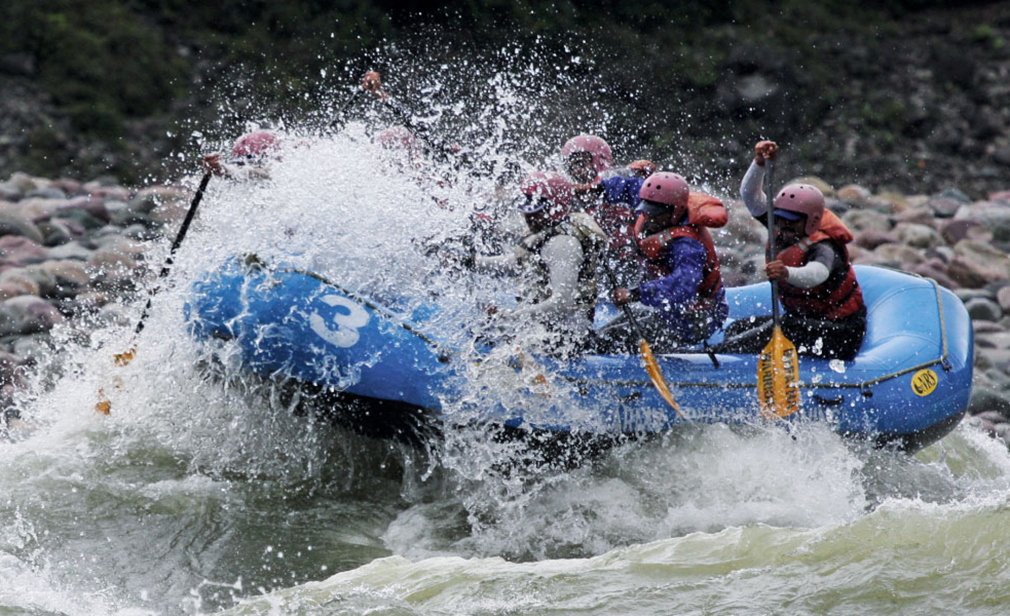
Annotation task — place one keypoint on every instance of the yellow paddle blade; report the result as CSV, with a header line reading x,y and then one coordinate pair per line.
x,y
656,375
778,377
104,405
124,358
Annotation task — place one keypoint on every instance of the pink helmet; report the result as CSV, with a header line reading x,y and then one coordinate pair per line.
x,y
664,189
396,137
603,158
255,144
801,199
546,190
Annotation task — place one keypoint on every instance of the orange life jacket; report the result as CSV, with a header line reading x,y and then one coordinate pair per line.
x,y
702,211
831,299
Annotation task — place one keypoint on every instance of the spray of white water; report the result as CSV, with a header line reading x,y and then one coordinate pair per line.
x,y
353,211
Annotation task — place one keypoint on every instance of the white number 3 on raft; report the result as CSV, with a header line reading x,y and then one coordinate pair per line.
x,y
347,323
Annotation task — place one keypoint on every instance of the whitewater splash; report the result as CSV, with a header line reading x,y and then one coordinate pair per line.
x,y
204,487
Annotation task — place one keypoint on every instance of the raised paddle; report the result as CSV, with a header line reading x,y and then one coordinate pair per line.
x,y
651,365
127,356
778,372
340,118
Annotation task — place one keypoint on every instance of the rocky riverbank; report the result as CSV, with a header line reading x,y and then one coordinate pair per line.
x,y
73,255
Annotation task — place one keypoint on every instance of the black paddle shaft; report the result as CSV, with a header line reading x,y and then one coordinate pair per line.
x,y
175,245
770,166
340,118
625,307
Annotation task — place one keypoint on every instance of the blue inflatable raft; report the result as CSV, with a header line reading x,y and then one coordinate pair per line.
x,y
908,386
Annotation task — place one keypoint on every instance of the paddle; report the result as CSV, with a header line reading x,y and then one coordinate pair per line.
x,y
778,372
340,118
438,150
124,358
651,365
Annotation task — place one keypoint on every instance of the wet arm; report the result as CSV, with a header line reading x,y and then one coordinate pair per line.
x,y
751,190
816,270
686,260
622,190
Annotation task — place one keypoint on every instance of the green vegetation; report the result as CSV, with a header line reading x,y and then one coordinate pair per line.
x,y
107,65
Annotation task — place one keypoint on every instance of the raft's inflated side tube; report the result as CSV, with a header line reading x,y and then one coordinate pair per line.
x,y
292,324
909,384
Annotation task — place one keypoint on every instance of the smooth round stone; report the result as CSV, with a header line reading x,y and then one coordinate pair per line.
x,y
993,340
48,192
140,233
10,289
22,250
945,207
992,358
33,349
983,309
935,269
18,278
854,194
920,216
54,233
957,229
827,189
1003,298
69,277
898,255
943,254
9,192
94,206
37,209
8,367
68,186
15,223
867,220
871,238
121,245
113,261
46,281
917,235
977,264
70,250
24,182
968,294
33,313
985,327
9,322
85,218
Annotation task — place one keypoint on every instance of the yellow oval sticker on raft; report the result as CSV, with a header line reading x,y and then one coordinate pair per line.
x,y
924,382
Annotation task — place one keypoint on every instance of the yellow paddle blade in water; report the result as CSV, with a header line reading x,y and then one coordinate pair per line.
x,y
656,375
778,377
104,405
124,358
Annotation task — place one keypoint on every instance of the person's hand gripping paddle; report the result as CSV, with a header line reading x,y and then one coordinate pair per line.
x,y
778,371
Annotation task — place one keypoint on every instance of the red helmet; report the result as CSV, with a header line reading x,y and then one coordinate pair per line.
x,y
664,189
255,144
396,137
801,199
603,158
546,190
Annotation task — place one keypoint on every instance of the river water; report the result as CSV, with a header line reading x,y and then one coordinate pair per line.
x,y
203,493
